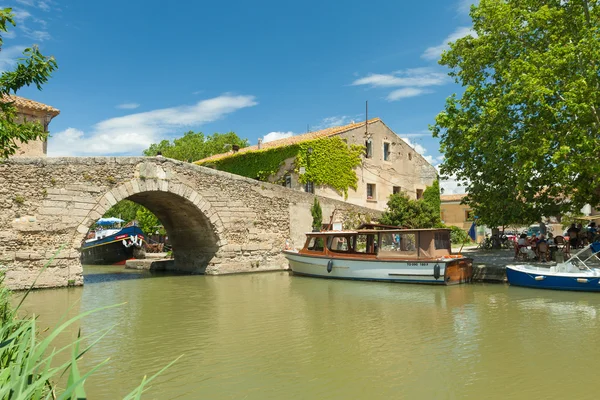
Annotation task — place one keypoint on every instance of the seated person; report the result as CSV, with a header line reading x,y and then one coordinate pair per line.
x,y
522,243
573,232
550,240
592,230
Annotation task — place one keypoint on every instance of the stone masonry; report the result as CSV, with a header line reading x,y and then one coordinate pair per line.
x,y
218,223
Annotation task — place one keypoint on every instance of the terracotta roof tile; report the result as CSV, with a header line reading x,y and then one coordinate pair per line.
x,y
21,102
291,140
452,197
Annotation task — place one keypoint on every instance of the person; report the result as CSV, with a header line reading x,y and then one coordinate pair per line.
x,y
522,243
572,232
159,154
552,246
592,231
543,228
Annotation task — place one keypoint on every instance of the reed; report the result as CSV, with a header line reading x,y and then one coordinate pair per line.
x,y
28,366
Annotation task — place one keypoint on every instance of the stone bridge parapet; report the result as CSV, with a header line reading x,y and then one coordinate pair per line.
x,y
217,222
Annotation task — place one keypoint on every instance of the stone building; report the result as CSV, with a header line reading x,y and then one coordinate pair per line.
x,y
454,213
29,110
389,165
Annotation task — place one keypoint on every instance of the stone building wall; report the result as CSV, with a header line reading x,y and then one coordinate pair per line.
x,y
405,169
217,222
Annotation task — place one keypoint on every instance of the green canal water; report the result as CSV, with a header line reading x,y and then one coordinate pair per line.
x,y
277,336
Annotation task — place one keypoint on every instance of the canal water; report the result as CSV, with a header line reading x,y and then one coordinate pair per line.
x,y
277,336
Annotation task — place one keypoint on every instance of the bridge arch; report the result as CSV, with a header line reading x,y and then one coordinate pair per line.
x,y
193,226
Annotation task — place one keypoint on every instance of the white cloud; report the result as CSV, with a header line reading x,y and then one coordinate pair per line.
x,y
20,15
44,5
464,6
405,93
41,4
133,133
330,122
423,133
413,82
128,106
450,185
271,136
434,53
37,35
9,55
413,77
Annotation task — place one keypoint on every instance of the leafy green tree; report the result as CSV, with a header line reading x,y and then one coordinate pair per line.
x,y
431,195
125,209
458,235
317,215
525,131
148,222
408,213
32,69
194,146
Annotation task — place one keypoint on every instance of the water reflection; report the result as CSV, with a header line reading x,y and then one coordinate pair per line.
x,y
273,336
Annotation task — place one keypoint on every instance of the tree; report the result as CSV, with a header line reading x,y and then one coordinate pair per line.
x,y
32,69
148,222
408,213
125,209
525,131
431,195
194,146
317,215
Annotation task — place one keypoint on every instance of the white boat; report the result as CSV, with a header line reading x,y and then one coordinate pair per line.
x,y
391,255
578,273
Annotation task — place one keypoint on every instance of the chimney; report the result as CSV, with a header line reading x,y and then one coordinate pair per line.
x,y
259,142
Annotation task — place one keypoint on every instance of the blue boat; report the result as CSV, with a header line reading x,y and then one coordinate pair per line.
x,y
578,273
112,246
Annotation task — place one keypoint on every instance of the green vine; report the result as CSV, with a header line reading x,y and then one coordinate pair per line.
x,y
331,163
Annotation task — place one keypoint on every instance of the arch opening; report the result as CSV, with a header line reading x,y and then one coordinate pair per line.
x,y
192,227
190,232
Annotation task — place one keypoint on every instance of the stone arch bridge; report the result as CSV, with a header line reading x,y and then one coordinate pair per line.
x,y
218,223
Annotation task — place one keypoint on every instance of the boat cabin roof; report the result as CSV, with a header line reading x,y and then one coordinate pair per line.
x,y
376,231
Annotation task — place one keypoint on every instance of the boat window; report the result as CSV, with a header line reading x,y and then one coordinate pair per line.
x,y
366,244
339,243
315,244
398,244
442,240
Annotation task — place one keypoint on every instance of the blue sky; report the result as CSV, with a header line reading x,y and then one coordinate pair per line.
x,y
134,72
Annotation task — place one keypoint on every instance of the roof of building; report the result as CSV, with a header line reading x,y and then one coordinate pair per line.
x,y
21,102
292,140
452,197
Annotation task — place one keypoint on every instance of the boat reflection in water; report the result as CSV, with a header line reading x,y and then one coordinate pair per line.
x,y
391,255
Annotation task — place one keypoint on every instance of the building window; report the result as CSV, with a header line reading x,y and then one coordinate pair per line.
x,y
386,151
409,156
469,215
396,190
371,194
419,194
288,181
368,149
309,187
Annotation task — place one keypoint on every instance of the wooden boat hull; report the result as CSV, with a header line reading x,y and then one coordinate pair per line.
x,y
543,278
450,271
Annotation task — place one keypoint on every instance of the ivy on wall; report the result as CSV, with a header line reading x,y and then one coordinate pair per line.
x,y
331,163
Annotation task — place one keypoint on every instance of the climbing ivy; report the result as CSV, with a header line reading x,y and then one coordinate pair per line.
x,y
331,163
